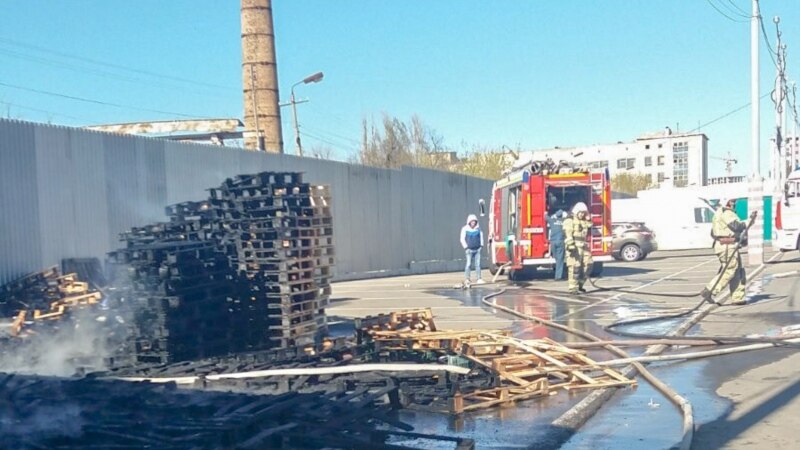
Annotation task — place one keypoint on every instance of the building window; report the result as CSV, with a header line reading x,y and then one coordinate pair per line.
x,y
680,164
647,147
661,160
648,161
661,177
649,178
598,164
626,163
660,145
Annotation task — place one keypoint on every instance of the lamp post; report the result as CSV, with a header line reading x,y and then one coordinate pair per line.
x,y
316,78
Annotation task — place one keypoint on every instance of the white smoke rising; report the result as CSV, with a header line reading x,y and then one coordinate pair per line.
x,y
64,347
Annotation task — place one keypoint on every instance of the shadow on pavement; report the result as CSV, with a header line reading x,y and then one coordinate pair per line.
x,y
718,433
621,271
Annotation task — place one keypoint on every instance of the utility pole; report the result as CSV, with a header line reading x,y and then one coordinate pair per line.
x,y
794,143
755,252
259,136
777,155
296,127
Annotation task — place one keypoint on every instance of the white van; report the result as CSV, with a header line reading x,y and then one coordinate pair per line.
x,y
787,214
680,221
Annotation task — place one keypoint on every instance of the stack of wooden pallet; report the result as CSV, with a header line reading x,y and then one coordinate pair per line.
x,y
527,368
43,296
180,288
247,269
280,242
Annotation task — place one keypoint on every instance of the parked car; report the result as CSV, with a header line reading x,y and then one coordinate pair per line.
x,y
632,241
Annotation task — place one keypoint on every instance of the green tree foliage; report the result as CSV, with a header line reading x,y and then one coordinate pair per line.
x,y
630,183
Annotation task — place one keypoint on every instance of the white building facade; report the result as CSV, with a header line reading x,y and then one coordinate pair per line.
x,y
667,159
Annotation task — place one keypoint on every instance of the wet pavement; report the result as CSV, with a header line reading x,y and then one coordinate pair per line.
x,y
634,418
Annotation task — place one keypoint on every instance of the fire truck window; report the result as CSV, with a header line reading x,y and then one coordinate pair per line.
x,y
512,211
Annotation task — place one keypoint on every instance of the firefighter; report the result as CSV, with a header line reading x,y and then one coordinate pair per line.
x,y
727,231
555,235
577,229
472,241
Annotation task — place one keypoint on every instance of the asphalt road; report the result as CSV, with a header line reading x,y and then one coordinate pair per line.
x,y
735,405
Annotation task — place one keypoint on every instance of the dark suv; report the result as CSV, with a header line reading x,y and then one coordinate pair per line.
x,y
633,241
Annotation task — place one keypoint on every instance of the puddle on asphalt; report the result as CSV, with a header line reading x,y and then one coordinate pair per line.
x,y
512,427
643,418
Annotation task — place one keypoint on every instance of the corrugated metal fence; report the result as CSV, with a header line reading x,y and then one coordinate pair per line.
x,y
67,192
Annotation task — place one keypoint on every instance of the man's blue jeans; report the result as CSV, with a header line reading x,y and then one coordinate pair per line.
x,y
558,252
473,256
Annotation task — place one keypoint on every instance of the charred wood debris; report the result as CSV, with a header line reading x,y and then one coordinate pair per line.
x,y
238,283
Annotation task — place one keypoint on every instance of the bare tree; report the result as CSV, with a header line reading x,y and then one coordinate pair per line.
x,y
320,151
631,183
484,163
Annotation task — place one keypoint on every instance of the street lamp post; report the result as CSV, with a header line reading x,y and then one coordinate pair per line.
x,y
316,78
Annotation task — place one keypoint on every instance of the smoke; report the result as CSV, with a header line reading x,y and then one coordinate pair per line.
x,y
73,345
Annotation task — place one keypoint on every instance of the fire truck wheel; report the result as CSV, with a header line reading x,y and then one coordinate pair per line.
x,y
597,269
521,274
494,268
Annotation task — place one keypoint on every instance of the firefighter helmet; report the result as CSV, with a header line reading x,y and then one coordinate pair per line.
x,y
580,207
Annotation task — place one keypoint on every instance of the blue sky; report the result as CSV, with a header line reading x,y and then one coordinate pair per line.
x,y
532,74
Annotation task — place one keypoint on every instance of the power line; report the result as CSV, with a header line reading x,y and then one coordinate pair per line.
x,y
108,64
347,151
30,108
723,13
729,113
332,134
93,71
734,10
743,12
99,102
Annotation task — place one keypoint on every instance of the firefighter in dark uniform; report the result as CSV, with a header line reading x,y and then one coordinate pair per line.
x,y
577,229
727,231
555,235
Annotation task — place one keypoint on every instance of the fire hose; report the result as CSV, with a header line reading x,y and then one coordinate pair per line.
x,y
577,416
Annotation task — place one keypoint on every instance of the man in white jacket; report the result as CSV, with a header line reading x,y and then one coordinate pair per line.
x,y
472,241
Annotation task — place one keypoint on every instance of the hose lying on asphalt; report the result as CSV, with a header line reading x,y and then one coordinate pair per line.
x,y
352,368
694,355
588,406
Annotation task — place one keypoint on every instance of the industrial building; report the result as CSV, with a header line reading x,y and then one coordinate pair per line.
x,y
666,158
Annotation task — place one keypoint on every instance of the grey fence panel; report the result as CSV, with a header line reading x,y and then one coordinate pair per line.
x,y
20,233
89,196
68,192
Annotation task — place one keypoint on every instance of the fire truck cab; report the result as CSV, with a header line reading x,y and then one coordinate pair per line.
x,y
518,227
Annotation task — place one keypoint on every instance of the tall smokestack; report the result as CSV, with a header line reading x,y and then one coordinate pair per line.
x,y
262,115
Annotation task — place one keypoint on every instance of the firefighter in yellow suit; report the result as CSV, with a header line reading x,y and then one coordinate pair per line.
x,y
577,230
726,230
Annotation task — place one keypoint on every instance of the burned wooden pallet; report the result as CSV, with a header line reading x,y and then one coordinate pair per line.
x,y
255,258
107,414
419,319
44,296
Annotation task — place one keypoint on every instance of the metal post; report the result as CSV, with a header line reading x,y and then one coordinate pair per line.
x,y
296,126
755,252
776,155
795,143
259,140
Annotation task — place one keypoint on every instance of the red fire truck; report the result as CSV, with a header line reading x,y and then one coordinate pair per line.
x,y
520,201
